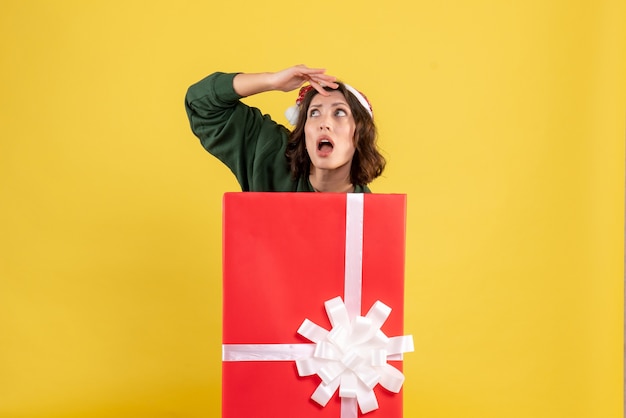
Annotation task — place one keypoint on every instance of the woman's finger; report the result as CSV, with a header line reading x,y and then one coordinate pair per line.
x,y
317,78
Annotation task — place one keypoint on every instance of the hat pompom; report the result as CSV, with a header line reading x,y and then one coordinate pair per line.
x,y
292,114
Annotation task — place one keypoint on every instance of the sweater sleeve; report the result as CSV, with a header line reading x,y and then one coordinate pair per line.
x,y
240,136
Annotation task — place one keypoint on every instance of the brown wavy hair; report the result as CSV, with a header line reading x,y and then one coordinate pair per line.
x,y
367,163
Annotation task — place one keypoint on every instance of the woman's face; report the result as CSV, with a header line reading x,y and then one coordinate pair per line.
x,y
329,131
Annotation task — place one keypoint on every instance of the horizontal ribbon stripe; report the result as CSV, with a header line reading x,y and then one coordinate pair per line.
x,y
266,352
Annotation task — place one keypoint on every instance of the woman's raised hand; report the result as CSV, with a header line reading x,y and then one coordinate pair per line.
x,y
286,80
293,77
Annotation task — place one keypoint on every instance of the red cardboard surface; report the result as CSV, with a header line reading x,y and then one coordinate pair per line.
x,y
284,256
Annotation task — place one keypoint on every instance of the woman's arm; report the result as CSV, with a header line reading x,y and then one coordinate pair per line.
x,y
248,142
286,80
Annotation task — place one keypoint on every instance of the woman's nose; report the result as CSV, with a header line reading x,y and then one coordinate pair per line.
x,y
324,124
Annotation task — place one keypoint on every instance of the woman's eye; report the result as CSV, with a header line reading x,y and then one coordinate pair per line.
x,y
314,112
340,112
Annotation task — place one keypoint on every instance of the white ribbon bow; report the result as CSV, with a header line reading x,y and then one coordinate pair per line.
x,y
352,356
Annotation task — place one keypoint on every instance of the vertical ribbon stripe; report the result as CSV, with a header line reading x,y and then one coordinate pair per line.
x,y
353,275
354,254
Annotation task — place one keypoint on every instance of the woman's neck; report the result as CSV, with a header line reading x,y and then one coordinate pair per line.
x,y
335,181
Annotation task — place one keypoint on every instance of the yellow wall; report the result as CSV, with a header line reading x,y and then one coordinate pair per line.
x,y
504,123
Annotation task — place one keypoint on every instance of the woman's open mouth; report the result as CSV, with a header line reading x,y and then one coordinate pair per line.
x,y
324,146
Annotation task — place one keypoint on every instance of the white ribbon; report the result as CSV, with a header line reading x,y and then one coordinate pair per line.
x,y
352,356
266,352
354,254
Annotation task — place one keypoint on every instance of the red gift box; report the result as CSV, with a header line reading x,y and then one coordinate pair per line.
x,y
285,255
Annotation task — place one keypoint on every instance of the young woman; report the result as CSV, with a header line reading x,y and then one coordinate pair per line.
x,y
332,147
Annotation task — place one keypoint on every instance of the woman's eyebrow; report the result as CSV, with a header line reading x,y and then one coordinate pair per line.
x,y
332,104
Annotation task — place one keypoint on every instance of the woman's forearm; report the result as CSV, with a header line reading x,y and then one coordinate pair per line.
x,y
248,84
286,80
